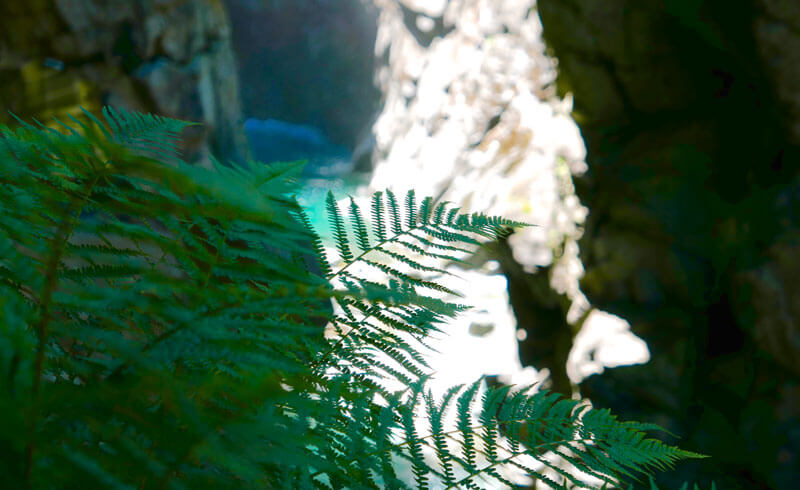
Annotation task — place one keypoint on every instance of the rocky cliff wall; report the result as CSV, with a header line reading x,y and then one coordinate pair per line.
x,y
689,114
171,57
308,62
471,115
688,111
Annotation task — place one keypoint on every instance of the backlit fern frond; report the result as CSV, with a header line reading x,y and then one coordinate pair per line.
x,y
386,286
405,254
149,133
523,431
159,328
148,313
403,258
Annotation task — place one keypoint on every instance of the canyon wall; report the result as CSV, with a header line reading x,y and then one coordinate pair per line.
x,y
471,115
680,214
689,111
171,57
672,203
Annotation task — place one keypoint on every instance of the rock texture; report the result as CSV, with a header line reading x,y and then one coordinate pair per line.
x,y
471,115
308,62
689,111
172,57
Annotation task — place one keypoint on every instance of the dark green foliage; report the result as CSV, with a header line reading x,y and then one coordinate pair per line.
x,y
157,330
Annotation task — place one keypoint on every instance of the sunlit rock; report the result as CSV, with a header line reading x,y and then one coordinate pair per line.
x,y
605,341
169,57
471,116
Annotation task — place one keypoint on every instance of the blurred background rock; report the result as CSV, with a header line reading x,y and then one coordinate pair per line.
x,y
654,143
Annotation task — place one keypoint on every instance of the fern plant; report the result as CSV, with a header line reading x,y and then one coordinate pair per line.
x,y
160,328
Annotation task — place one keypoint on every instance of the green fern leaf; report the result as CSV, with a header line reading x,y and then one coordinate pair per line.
x,y
360,229
128,275
411,209
378,224
394,211
339,231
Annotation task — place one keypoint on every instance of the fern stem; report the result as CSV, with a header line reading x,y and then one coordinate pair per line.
x,y
338,343
63,233
216,257
450,435
378,246
169,333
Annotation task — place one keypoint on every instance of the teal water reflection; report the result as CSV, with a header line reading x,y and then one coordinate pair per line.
x,y
313,193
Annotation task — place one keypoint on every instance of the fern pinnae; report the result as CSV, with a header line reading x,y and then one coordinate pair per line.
x,y
97,123
377,217
411,209
433,244
413,263
425,210
369,363
360,229
394,212
375,339
411,279
339,230
439,212
489,432
426,253
435,414
419,467
464,424
451,215
585,463
316,242
446,235
69,129
401,352
396,320
385,423
399,345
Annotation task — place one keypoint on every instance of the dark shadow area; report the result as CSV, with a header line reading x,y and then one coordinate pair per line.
x,y
308,62
692,187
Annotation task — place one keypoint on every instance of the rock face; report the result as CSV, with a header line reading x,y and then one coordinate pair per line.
x,y
690,117
471,116
171,57
308,62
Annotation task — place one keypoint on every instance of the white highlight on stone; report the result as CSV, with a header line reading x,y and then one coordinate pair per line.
x,y
474,119
605,341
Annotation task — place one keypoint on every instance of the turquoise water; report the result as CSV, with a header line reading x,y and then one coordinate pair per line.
x,y
328,166
313,193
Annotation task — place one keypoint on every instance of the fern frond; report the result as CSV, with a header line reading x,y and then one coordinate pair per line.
x,y
339,230
509,428
378,224
159,328
411,209
360,230
152,134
